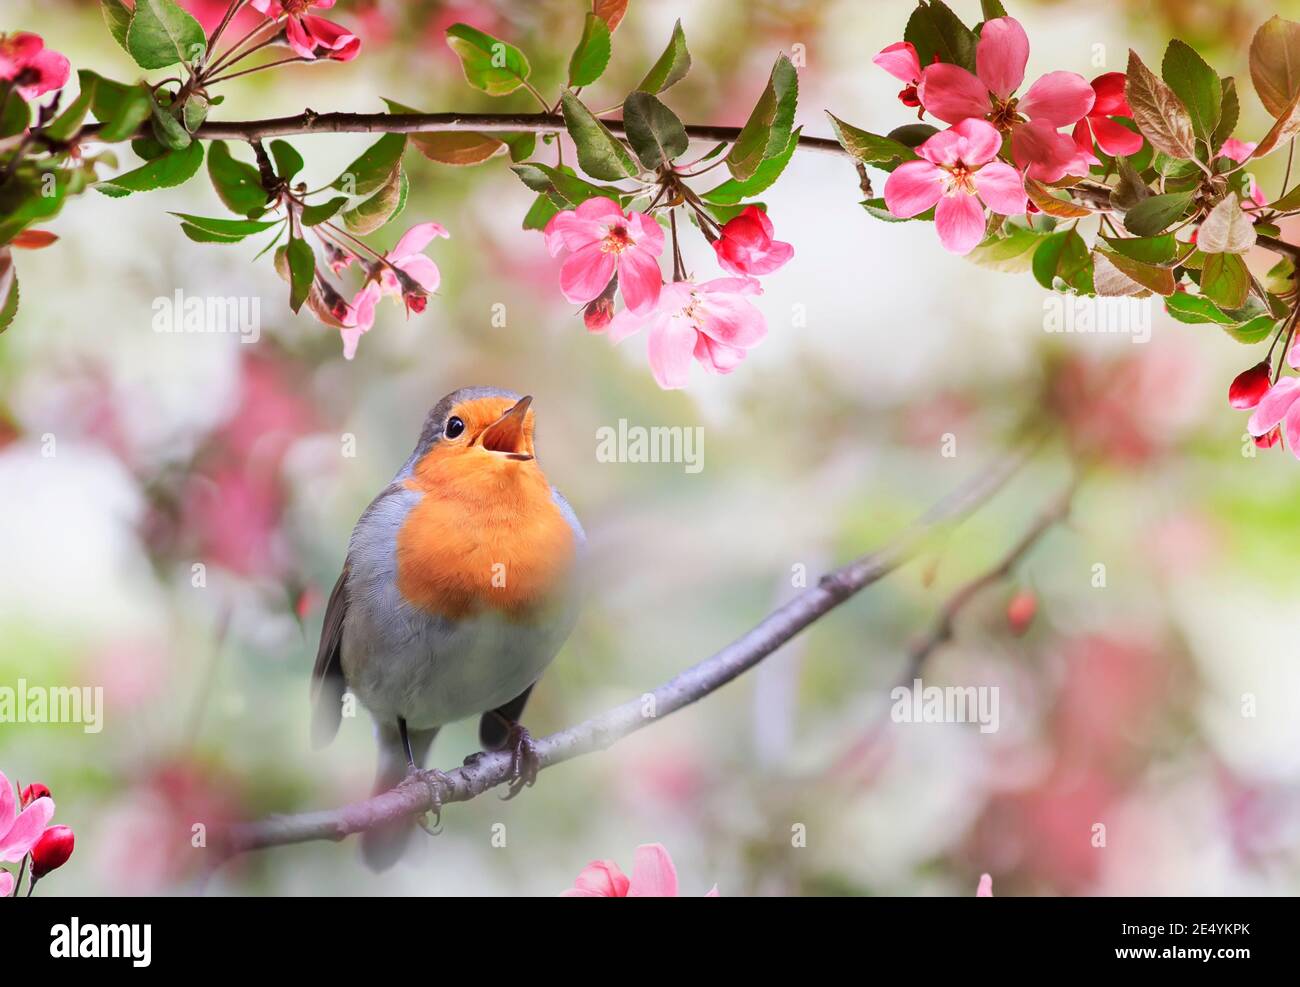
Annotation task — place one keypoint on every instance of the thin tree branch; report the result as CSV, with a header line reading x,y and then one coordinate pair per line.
x,y
424,791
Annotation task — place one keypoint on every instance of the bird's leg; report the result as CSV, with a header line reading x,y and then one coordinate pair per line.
x,y
411,766
524,760
432,778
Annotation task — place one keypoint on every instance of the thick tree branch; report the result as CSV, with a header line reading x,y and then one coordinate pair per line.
x,y
426,790
311,122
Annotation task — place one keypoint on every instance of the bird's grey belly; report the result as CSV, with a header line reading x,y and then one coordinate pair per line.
x,y
432,671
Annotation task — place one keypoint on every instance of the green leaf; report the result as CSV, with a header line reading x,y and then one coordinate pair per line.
x,y
1150,276
870,148
1275,64
238,228
194,112
288,162
521,145
461,147
878,209
732,191
17,114
1010,252
1148,250
600,153
1196,84
992,9
767,131
671,66
173,168
119,108
377,210
565,189
1229,111
592,54
1282,132
1157,214
117,16
199,235
302,271
8,290
1225,280
314,215
69,121
653,130
933,30
238,184
1159,113
29,197
540,213
169,131
1063,259
372,170
490,64
162,34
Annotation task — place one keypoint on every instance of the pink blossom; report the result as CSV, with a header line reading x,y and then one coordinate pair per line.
x,y
6,884
602,242
1113,138
1280,405
985,889
20,831
1240,152
653,876
306,32
408,273
746,247
360,317
959,173
711,322
901,61
32,68
1057,99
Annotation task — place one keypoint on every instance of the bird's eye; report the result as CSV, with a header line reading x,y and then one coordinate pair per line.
x,y
454,427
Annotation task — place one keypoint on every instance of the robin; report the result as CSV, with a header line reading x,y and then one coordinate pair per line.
x,y
458,589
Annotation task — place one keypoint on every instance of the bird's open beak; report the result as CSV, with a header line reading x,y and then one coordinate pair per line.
x,y
506,434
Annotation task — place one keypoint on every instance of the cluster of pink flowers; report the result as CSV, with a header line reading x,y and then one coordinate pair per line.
x,y
33,69
712,322
25,831
959,173
307,33
404,272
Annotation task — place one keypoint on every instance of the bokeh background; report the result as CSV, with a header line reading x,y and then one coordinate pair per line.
x,y
1122,705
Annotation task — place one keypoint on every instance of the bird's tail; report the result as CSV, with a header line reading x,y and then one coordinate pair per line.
x,y
384,845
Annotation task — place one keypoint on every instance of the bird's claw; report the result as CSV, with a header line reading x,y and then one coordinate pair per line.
x,y
525,762
433,780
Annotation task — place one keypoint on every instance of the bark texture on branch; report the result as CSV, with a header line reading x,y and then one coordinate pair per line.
x,y
427,790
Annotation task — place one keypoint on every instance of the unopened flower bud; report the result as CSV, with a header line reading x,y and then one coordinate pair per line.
x,y
1021,610
1249,386
52,850
33,792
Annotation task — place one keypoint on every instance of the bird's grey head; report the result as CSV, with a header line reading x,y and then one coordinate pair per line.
x,y
436,423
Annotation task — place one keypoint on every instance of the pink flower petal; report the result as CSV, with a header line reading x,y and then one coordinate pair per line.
x,y
715,357
731,319
653,873
648,233
980,142
423,270
1237,150
627,323
1291,425
1040,150
416,239
952,94
1001,55
1111,100
600,207
986,887
912,188
1001,188
1274,405
26,830
600,879
959,220
341,44
585,272
639,279
6,884
672,344
8,804
569,231
1114,138
1059,98
900,61
300,40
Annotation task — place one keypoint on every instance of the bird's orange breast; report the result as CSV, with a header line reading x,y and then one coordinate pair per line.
x,y
486,535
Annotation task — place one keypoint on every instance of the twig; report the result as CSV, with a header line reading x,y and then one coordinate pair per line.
x,y
425,790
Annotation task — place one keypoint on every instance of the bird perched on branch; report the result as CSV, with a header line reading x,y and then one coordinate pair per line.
x,y
459,587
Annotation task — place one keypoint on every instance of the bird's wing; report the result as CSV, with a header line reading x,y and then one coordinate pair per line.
x,y
327,683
